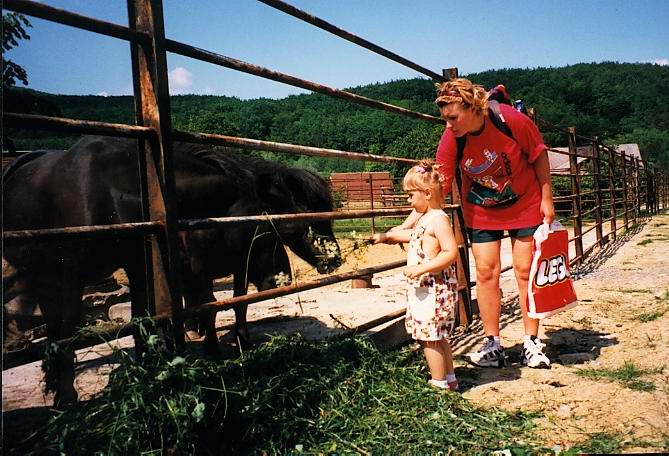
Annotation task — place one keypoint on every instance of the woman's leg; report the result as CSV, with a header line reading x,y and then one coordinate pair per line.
x,y
532,355
486,257
522,260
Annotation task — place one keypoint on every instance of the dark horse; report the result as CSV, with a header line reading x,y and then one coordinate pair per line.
x,y
96,182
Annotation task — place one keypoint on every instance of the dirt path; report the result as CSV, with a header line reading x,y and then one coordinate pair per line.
x,y
623,317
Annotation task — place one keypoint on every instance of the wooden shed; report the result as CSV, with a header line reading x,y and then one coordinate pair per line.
x,y
358,187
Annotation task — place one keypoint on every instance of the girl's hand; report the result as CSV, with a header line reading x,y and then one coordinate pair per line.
x,y
413,272
378,238
547,210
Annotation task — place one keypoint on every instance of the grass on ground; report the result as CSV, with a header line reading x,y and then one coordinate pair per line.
x,y
628,375
287,396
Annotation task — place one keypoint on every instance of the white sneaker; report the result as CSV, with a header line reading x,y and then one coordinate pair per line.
x,y
533,355
490,355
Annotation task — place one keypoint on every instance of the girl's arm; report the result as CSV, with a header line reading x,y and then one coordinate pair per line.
x,y
543,170
392,237
448,250
409,223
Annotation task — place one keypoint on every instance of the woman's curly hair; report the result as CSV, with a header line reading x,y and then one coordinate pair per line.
x,y
462,91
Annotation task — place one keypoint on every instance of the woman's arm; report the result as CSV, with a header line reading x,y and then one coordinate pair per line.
x,y
542,168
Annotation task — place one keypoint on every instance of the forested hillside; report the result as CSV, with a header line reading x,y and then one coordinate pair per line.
x,y
620,103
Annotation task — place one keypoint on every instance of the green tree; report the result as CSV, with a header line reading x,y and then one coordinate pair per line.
x,y
12,31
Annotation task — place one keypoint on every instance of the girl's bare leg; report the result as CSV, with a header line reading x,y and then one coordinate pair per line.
x,y
439,358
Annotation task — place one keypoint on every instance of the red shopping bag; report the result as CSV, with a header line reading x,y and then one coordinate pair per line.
x,y
550,287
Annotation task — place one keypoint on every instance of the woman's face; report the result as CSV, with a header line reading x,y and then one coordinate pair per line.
x,y
459,119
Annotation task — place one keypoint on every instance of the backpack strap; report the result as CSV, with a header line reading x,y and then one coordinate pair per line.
x,y
497,119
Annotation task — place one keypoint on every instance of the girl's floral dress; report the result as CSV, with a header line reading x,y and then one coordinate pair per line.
x,y
433,298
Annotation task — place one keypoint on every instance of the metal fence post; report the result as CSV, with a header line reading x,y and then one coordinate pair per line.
x,y
637,191
466,306
612,191
152,108
623,162
598,192
576,195
371,198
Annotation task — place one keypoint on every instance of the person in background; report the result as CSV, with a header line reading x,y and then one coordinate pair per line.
x,y
432,292
506,186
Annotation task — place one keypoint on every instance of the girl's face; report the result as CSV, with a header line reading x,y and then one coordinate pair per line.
x,y
459,119
418,199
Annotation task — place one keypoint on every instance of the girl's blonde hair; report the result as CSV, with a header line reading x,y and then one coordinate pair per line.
x,y
425,175
462,91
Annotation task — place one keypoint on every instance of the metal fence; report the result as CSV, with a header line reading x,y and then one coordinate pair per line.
x,y
155,135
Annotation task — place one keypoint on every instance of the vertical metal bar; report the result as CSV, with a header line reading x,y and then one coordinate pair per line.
x,y
623,162
598,192
612,192
637,193
576,195
371,199
154,104
465,305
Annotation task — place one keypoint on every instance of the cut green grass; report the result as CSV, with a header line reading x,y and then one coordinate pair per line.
x,y
287,396
651,316
612,443
628,290
628,375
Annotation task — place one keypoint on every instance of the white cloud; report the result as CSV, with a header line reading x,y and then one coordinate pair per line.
x,y
661,62
104,93
180,79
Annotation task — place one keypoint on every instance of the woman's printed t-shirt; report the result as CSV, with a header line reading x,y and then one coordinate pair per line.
x,y
502,164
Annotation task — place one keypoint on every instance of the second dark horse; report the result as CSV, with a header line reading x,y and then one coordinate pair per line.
x,y
96,182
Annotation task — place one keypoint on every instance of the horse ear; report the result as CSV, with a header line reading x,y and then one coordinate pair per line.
x,y
273,190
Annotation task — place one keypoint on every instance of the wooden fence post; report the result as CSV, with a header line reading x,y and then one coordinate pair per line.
x,y
576,196
450,73
152,109
612,191
598,195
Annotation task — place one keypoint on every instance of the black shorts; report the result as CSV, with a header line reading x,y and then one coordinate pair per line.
x,y
479,236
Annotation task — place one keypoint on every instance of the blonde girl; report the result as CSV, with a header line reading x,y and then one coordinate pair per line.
x,y
430,271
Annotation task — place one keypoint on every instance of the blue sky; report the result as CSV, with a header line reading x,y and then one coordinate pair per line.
x,y
435,34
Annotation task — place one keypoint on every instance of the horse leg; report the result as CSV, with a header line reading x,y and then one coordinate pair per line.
x,y
241,329
61,305
139,301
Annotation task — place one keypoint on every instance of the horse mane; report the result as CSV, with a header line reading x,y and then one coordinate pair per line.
x,y
22,160
314,189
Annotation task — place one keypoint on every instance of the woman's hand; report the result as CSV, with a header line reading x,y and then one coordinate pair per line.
x,y
413,272
547,210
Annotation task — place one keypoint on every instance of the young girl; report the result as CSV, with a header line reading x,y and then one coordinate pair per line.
x,y
430,272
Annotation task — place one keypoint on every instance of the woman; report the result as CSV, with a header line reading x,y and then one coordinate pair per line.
x,y
506,186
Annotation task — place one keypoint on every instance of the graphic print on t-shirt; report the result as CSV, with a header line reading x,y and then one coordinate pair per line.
x,y
491,184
